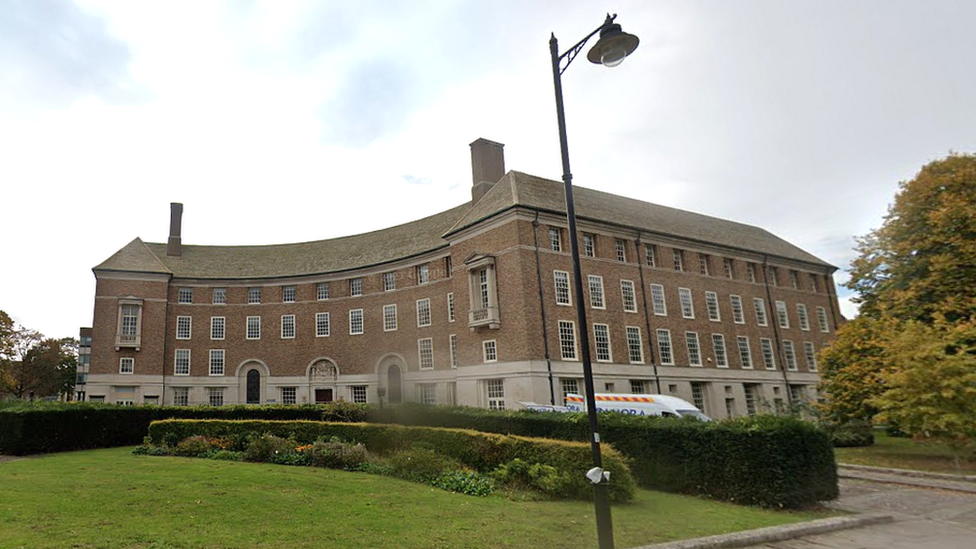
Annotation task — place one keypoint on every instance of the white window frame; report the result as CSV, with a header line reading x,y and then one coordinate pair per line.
x,y
217,363
665,351
687,303
759,305
601,339
288,294
635,345
789,352
355,287
425,353
389,281
184,296
678,257
495,393
323,325
427,393
390,317
555,240
810,351
254,295
489,351
322,291
288,327
215,396
357,322
719,351
628,296
782,315
423,273
127,365
658,300
451,314
184,327
180,356
738,313
801,312
597,300
751,272
255,323
822,320
564,293
620,247
358,393
703,264
694,349
729,266
218,296
769,356
567,340
218,327
181,396
423,313
650,255
745,352
289,395
589,245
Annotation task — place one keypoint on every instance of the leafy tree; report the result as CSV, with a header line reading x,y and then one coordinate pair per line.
x,y
931,383
922,261
851,370
42,370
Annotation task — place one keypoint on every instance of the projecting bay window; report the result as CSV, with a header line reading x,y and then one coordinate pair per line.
x,y
130,324
483,292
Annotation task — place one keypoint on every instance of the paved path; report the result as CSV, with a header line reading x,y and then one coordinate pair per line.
x,y
925,518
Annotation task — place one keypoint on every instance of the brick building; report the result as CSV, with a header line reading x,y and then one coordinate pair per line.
x,y
470,306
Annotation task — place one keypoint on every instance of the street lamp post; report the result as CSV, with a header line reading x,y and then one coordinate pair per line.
x,y
614,45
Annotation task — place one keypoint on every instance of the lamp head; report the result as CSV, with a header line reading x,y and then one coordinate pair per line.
x,y
614,45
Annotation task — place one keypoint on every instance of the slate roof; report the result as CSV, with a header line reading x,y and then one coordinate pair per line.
x,y
533,192
516,189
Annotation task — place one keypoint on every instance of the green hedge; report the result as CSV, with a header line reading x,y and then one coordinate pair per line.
x,y
483,452
59,427
772,461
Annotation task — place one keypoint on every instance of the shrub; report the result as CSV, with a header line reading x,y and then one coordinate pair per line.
x,y
265,447
538,477
850,434
195,446
227,455
290,458
421,464
465,482
336,454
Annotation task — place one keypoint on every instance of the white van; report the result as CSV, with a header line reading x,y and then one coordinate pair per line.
x,y
638,405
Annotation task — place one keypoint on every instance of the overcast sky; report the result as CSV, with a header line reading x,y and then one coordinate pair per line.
x,y
287,121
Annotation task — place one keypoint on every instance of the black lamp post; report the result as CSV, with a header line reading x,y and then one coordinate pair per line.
x,y
614,45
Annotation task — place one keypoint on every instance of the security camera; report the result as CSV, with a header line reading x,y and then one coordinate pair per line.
x,y
597,475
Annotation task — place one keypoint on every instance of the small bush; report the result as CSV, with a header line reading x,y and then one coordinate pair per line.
x,y
195,446
226,455
265,447
465,482
336,454
849,435
421,464
290,458
538,477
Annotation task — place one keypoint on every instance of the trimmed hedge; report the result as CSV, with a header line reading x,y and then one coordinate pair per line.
x,y
58,427
766,460
480,451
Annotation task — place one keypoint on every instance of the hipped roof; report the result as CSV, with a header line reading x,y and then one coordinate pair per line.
x,y
515,190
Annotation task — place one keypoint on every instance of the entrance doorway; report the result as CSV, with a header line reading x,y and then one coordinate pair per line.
x,y
323,396
253,387
395,389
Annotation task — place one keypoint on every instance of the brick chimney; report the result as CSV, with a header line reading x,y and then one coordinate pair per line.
x,y
174,246
487,166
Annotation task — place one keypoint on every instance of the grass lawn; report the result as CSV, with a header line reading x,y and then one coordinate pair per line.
x,y
111,498
904,453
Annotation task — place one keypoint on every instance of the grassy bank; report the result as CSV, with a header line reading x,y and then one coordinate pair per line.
x,y
110,498
904,453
